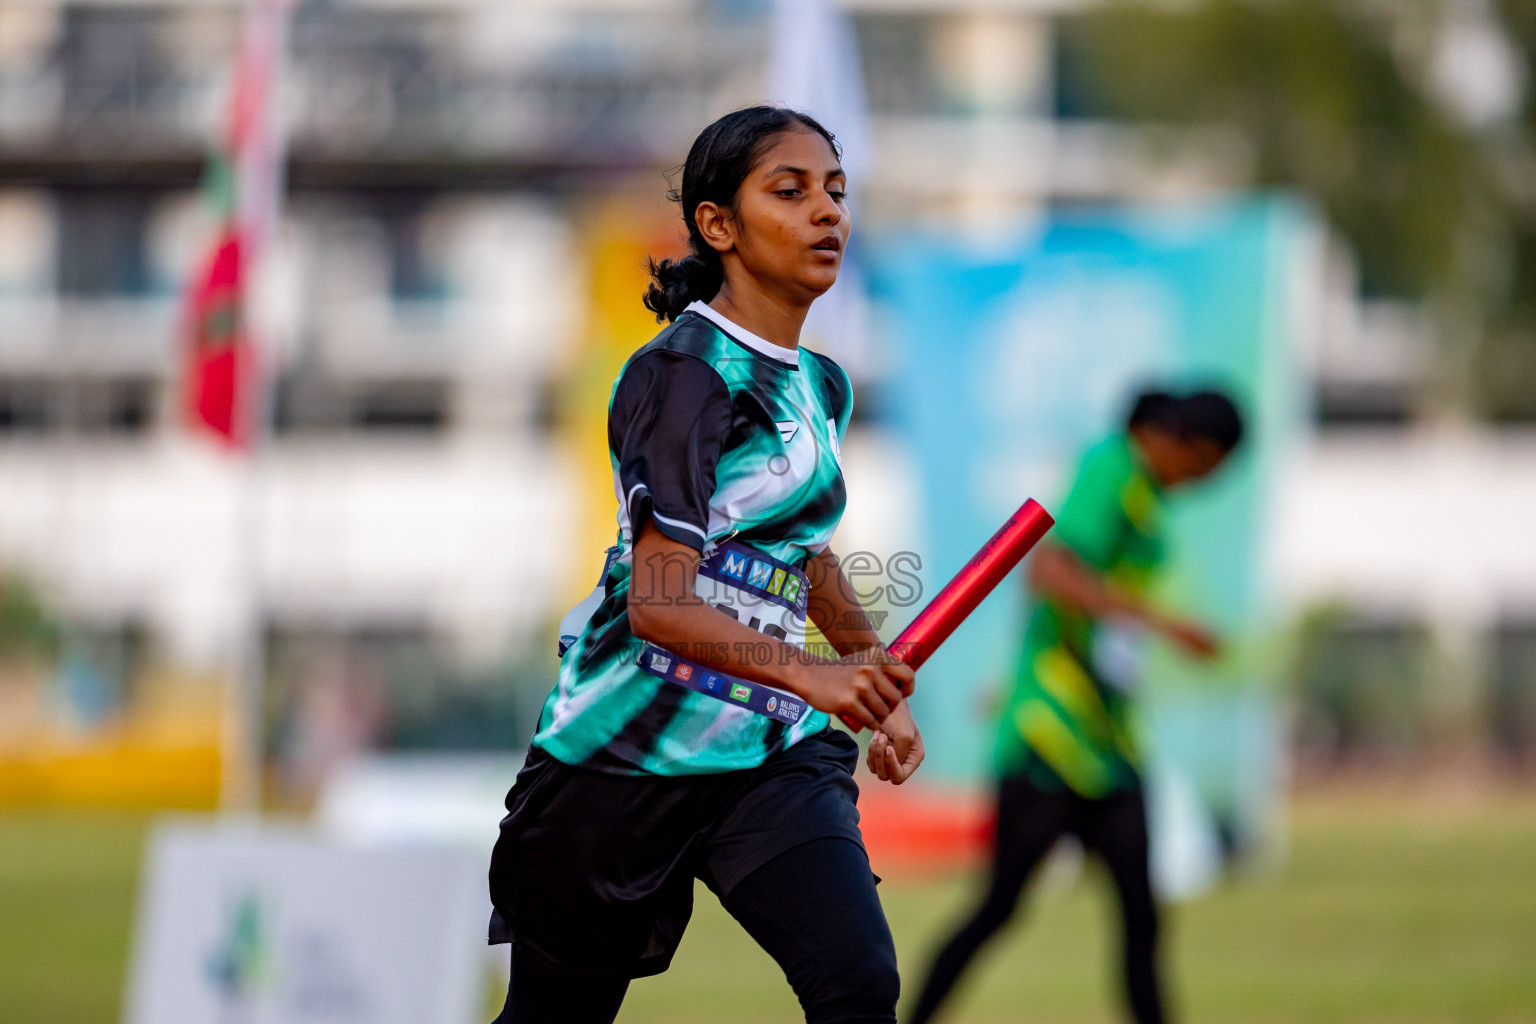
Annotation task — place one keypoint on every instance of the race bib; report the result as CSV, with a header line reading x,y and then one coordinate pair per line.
x,y
766,595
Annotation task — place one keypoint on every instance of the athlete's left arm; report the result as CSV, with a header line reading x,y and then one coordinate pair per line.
x,y
896,749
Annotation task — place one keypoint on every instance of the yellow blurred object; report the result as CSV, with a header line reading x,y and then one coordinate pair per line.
x,y
120,772
619,238
165,754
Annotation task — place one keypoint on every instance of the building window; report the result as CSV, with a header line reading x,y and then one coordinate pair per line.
x,y
1512,692
31,405
1361,688
309,401
102,243
899,76
337,691
26,406
113,61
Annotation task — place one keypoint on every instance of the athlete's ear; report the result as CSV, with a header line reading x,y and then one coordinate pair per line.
x,y
716,226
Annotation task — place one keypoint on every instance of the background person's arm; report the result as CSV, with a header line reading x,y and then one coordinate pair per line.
x,y
1056,573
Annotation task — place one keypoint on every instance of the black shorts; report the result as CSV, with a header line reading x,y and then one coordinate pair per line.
x,y
593,873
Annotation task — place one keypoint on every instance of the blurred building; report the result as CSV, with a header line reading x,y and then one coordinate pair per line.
x,y
430,303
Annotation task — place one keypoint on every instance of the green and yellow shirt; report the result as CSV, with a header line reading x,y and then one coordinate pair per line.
x,y
1068,720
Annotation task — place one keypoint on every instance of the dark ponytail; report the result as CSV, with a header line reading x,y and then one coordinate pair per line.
x,y
1205,415
718,162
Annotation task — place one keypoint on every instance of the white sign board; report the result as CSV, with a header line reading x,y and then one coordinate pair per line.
x,y
250,925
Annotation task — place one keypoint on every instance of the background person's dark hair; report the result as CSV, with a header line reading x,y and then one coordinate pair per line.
x,y
718,162
1208,415
1157,409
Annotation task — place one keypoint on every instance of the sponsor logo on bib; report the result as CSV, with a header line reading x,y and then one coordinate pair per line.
x,y
735,565
685,671
772,705
741,693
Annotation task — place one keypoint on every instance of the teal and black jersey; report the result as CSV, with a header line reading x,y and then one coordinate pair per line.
x,y
731,445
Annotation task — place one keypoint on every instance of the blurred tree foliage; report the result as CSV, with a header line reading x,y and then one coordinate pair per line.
x,y
26,628
1362,687
1508,377
1437,210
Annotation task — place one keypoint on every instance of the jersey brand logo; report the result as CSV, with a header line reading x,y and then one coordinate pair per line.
x,y
787,429
741,693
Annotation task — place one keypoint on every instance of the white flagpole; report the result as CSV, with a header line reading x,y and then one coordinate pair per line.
x,y
813,66
260,185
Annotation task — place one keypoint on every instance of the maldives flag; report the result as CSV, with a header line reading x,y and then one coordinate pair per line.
x,y
219,356
242,188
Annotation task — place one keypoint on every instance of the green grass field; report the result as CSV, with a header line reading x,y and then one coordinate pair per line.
x,y
1384,911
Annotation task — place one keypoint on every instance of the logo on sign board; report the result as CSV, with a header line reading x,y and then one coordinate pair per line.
x,y
242,962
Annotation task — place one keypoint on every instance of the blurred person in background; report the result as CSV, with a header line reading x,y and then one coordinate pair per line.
x,y
1067,755
689,738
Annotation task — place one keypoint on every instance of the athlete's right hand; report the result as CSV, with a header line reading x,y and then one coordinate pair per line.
x,y
904,675
855,693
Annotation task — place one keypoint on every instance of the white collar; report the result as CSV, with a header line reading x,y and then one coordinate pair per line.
x,y
762,346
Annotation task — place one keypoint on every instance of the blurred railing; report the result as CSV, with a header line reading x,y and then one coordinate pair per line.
x,y
49,334
375,85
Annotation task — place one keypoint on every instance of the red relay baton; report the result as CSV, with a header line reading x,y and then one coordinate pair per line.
x,y
969,588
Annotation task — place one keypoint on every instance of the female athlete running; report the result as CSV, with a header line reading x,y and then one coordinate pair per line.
x,y
1066,751
688,736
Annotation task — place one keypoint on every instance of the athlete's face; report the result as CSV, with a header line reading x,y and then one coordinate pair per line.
x,y
790,226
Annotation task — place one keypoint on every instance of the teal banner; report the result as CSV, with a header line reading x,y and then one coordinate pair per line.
x,y
1009,363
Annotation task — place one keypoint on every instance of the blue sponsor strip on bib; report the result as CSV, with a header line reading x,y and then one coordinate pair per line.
x,y
765,700
762,576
